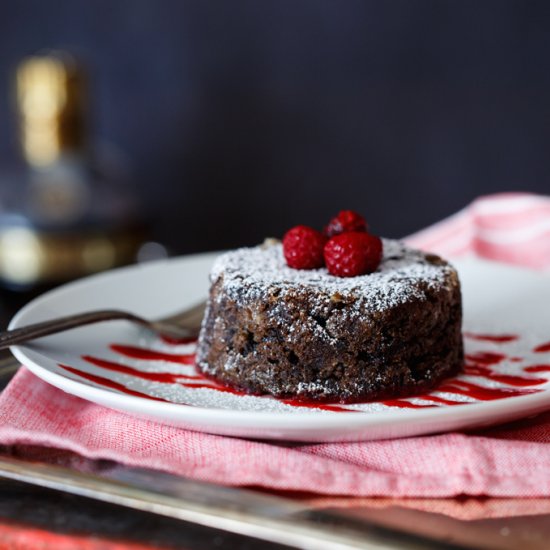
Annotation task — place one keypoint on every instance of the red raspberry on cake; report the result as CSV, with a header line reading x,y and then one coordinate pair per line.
x,y
345,222
354,253
303,247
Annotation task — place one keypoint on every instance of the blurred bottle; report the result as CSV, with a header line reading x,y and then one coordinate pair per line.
x,y
65,214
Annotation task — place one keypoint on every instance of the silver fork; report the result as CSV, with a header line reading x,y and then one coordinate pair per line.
x,y
182,325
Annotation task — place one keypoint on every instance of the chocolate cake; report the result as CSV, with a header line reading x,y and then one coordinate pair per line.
x,y
306,334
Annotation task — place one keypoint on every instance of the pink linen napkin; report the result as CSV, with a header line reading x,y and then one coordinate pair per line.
x,y
511,460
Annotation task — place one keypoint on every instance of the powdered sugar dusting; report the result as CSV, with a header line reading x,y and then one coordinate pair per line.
x,y
248,273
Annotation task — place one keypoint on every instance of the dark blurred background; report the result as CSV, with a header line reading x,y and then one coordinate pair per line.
x,y
243,118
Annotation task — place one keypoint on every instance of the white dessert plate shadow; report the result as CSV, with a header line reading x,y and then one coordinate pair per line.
x,y
124,367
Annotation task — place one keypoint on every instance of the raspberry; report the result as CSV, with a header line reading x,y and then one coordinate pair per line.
x,y
354,253
346,221
303,247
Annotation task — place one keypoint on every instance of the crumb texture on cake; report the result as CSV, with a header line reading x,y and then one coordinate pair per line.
x,y
309,335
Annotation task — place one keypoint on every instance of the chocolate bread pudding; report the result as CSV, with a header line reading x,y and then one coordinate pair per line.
x,y
307,334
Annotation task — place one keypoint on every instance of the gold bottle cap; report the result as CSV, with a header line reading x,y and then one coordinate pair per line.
x,y
52,104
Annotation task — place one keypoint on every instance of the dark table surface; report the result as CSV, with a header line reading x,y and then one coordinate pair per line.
x,y
33,517
36,518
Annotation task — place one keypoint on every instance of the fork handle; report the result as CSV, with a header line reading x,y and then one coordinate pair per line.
x,y
37,330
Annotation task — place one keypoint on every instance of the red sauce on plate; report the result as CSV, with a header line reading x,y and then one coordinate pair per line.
x,y
481,364
496,338
543,348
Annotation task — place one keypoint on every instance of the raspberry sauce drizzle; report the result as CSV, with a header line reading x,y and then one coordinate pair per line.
x,y
169,378
173,378
108,383
496,338
442,400
178,341
485,357
403,404
313,405
152,355
537,368
481,393
223,389
163,377
186,359
543,348
477,364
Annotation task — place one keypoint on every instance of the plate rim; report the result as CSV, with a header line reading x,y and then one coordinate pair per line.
x,y
387,416
277,419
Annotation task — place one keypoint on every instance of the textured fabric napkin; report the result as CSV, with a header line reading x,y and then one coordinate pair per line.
x,y
512,460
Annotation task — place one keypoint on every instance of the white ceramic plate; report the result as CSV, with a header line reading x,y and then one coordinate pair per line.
x,y
502,383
